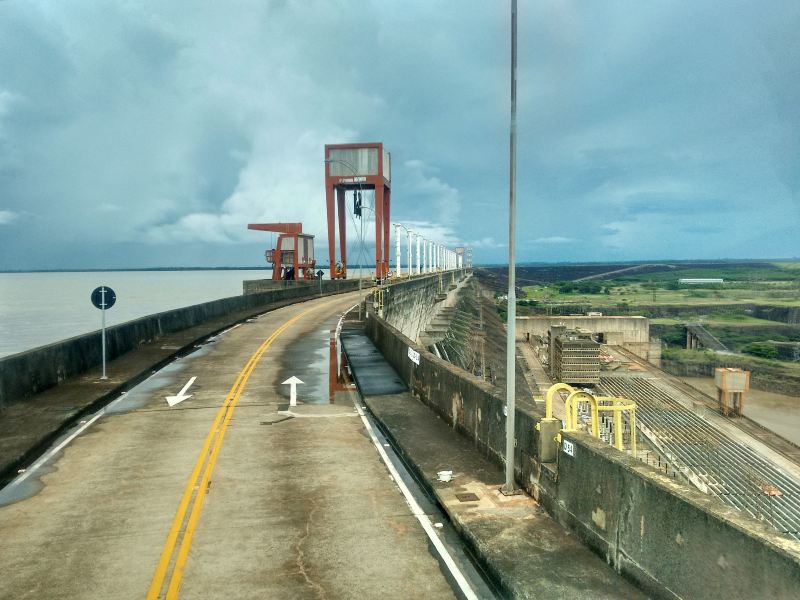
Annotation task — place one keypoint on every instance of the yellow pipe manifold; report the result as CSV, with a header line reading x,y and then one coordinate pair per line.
x,y
597,403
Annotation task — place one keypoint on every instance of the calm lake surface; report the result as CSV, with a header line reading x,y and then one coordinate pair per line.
x,y
41,308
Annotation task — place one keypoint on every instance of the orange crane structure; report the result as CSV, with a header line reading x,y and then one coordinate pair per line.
x,y
293,258
358,168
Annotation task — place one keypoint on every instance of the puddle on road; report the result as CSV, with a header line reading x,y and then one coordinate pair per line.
x,y
311,351
164,378
29,482
308,358
14,492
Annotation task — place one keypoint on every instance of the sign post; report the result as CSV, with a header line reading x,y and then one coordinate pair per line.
x,y
103,298
320,273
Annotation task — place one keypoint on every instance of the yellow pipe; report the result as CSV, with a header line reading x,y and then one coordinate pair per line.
x,y
548,399
618,430
611,404
618,406
572,411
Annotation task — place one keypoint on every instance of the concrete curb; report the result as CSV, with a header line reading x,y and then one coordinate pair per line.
x,y
523,551
473,547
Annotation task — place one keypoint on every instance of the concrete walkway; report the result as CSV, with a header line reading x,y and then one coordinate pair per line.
x,y
530,554
230,494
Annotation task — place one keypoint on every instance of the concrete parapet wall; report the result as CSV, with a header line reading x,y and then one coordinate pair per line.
x,y
257,286
27,373
672,540
676,542
467,403
410,305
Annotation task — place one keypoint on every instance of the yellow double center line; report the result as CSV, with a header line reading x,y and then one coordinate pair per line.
x,y
205,465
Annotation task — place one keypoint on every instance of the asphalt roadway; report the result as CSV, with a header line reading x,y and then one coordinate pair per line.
x,y
229,494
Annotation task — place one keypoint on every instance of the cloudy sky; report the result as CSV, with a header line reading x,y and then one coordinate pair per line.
x,y
145,133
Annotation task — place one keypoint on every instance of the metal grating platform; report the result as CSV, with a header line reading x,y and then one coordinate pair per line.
x,y
374,376
726,468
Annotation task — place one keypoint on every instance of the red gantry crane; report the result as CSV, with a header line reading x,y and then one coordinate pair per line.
x,y
293,259
358,168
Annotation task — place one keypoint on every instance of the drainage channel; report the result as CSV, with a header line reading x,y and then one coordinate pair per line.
x,y
458,565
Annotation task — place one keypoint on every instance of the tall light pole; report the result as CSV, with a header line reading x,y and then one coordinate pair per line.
x,y
511,370
408,251
419,263
408,248
397,249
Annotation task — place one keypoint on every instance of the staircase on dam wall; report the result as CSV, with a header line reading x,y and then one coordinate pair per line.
x,y
410,306
457,321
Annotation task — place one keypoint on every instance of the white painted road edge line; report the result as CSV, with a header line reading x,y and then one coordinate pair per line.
x,y
53,451
417,511
42,460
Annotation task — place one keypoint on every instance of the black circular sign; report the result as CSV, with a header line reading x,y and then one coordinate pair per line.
x,y
103,297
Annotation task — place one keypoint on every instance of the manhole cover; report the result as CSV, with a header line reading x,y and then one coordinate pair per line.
x,y
467,497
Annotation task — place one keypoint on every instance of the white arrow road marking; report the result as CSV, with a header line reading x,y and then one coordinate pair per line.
x,y
292,381
173,400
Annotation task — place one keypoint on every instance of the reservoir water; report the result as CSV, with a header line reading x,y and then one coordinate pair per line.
x,y
41,308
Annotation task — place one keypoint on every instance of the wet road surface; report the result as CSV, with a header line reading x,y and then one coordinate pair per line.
x,y
225,495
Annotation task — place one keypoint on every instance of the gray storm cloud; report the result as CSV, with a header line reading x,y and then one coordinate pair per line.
x,y
149,134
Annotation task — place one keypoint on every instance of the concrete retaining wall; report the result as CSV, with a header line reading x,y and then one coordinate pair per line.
x,y
669,538
27,373
674,541
410,305
467,403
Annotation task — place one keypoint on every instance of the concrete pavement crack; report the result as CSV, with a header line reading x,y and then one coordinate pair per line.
x,y
301,566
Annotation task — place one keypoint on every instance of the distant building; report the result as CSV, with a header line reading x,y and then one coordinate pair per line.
x,y
690,281
575,356
632,333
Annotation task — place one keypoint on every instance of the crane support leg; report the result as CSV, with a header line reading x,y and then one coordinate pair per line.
x,y
331,228
379,232
387,192
342,227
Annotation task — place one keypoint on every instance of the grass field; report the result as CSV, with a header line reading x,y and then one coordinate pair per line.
x,y
737,320
642,294
766,284
763,283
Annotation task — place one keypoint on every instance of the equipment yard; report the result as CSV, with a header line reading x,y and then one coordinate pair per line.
x,y
734,459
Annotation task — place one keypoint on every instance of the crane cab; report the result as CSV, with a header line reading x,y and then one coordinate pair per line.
x,y
293,258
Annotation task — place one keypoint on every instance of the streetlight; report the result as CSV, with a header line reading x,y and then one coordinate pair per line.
x,y
408,248
511,371
419,264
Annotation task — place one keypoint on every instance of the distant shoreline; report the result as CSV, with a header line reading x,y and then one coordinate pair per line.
x,y
260,268
489,265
